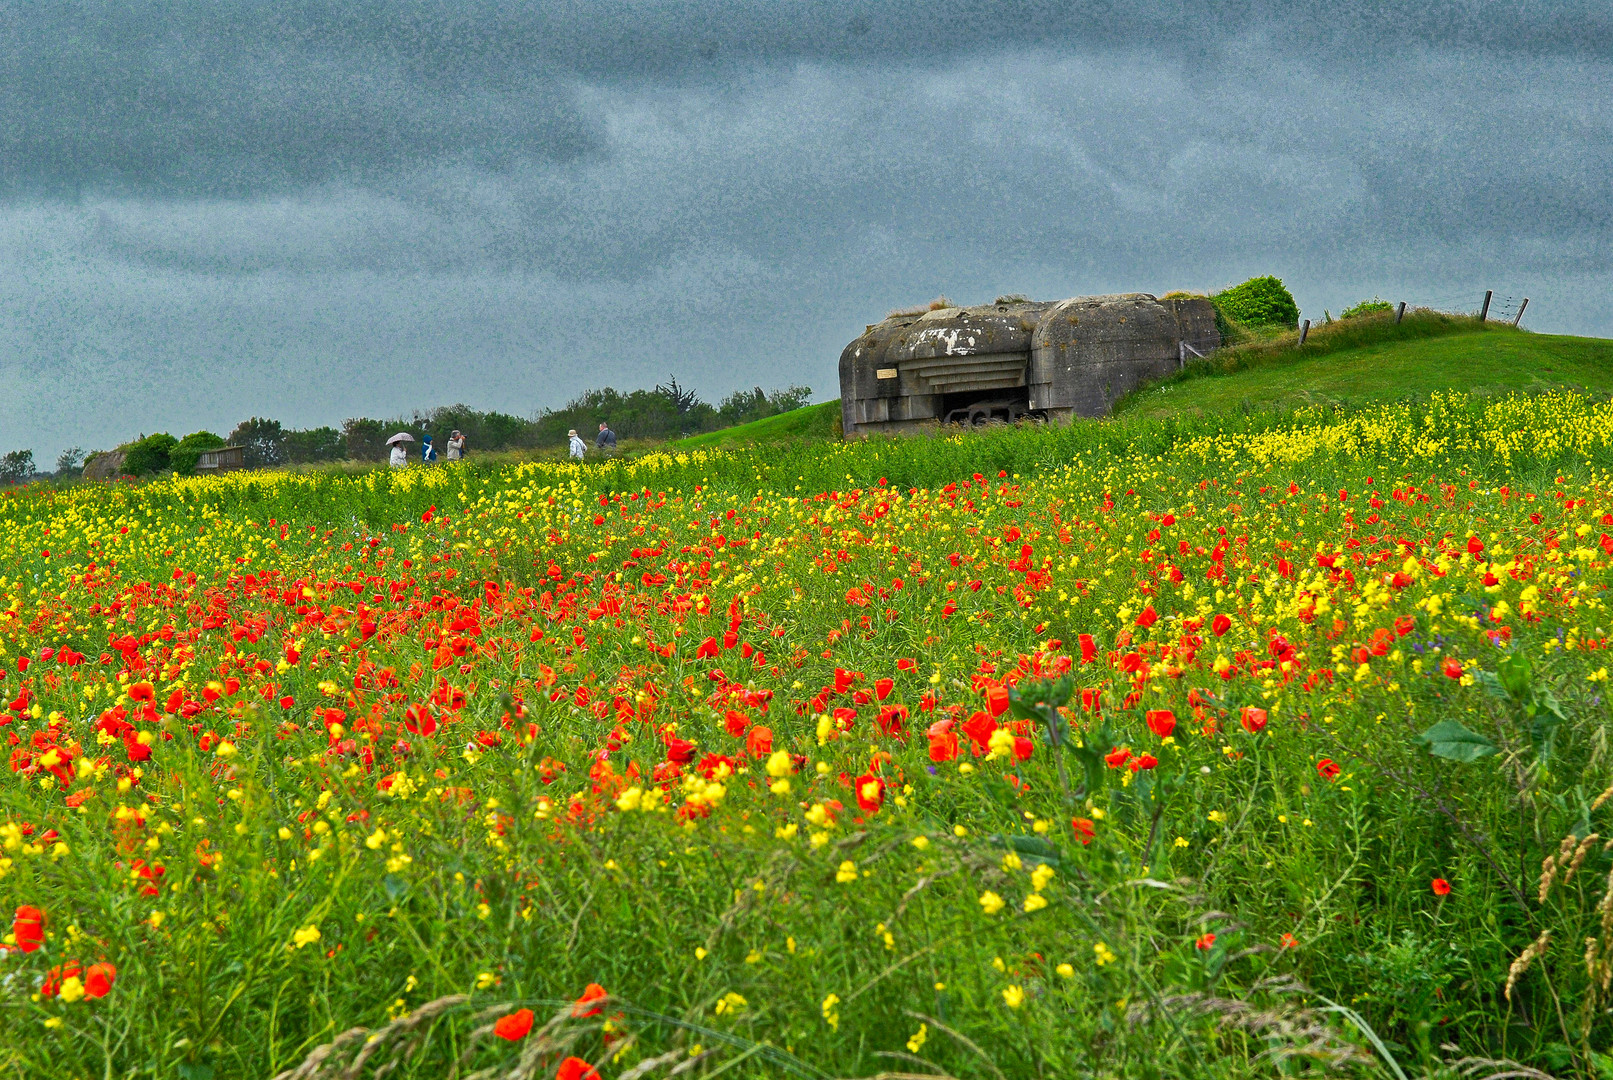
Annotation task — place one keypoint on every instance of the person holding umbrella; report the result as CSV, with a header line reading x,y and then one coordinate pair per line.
x,y
399,458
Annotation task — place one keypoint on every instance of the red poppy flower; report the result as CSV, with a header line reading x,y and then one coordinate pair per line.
x,y
1023,748
1084,829
1328,768
99,979
1220,625
592,992
679,751
29,927
1204,942
1089,648
759,741
870,792
1147,761
707,650
943,746
1453,668
997,700
979,728
1441,887
882,688
1289,941
1147,617
1253,719
1117,757
1161,722
575,1068
513,1026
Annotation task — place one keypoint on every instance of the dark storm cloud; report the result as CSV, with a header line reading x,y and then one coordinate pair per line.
x,y
315,211
233,98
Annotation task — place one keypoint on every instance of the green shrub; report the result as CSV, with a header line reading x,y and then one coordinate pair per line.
x,y
1375,306
1258,304
148,455
184,456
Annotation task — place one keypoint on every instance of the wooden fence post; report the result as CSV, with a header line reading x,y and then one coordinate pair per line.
x,y
1400,312
1518,318
1484,311
1304,330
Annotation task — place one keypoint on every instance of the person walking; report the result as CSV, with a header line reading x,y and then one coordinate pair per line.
x,y
456,446
428,453
399,457
577,448
607,438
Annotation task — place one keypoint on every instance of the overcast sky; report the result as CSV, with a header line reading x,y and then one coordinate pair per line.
x,y
215,210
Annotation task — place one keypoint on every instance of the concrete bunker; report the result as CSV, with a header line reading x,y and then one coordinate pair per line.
x,y
1016,360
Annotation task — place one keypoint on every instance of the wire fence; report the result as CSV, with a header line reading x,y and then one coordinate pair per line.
x,y
1494,306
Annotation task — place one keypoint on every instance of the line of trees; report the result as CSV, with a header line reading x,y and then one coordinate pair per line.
x,y
666,411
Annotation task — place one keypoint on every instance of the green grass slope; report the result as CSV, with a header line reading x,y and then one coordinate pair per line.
x,y
1480,360
812,422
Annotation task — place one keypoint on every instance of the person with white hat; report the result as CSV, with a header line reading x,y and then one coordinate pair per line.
x,y
578,448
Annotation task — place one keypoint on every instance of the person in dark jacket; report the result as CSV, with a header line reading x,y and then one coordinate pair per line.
x,y
606,439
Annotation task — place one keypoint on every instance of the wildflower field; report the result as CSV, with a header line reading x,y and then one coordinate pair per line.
x,y
1264,745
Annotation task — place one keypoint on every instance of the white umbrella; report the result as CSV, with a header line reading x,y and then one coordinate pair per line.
x,y
402,436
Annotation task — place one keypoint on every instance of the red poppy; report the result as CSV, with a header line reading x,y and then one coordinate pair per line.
x,y
883,687
735,723
1089,648
997,700
1117,757
575,1068
1453,668
1161,722
679,751
1023,748
1220,625
707,650
29,928
759,741
1253,719
870,792
1328,768
1084,829
1441,887
1204,942
943,746
1147,761
979,728
513,1026
592,992
99,979
1147,617
1289,941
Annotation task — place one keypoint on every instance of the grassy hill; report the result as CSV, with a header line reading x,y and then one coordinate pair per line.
x,y
1357,365
812,422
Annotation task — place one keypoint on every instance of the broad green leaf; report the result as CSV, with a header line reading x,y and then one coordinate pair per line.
x,y
1492,685
1454,741
1515,674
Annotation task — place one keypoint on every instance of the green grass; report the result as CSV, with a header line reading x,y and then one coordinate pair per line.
x,y
1488,361
812,422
